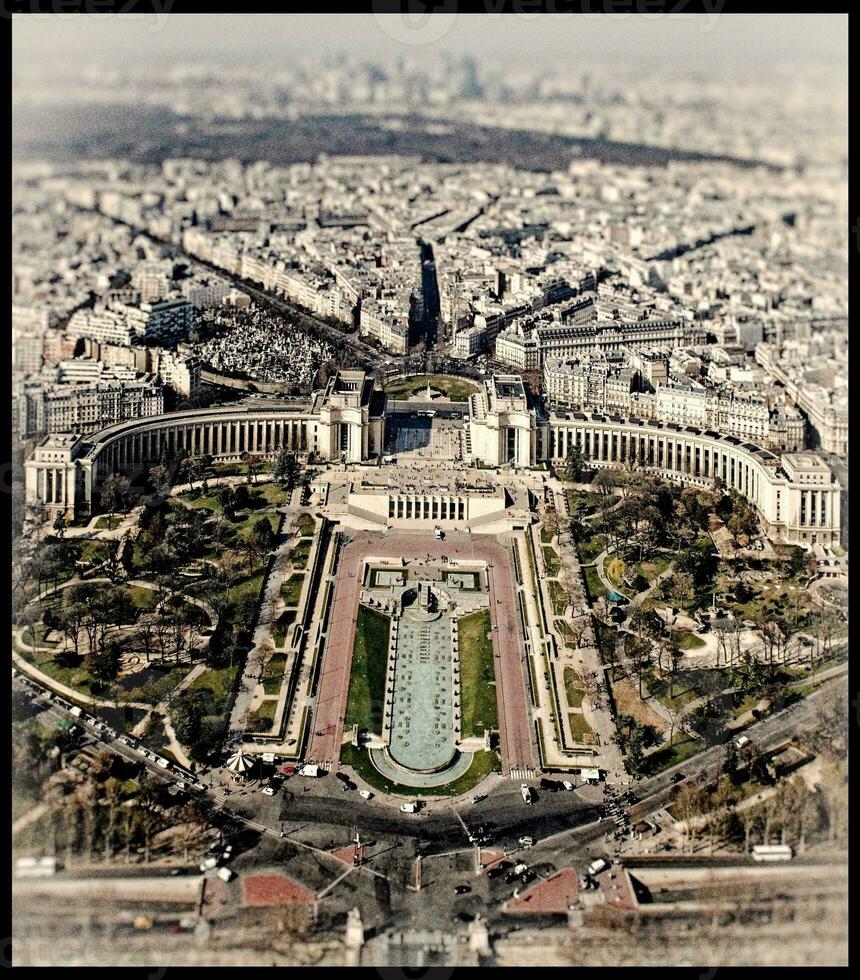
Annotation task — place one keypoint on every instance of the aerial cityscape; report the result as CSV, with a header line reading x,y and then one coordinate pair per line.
x,y
429,489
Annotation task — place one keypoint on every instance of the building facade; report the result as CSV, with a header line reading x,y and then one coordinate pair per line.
x,y
796,495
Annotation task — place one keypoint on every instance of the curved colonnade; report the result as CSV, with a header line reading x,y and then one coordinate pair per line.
x,y
796,495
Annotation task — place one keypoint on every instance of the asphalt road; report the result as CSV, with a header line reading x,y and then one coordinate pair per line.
x,y
563,824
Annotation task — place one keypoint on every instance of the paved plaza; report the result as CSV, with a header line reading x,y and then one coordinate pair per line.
x,y
426,438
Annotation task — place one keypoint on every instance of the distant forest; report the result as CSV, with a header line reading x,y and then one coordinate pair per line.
x,y
149,135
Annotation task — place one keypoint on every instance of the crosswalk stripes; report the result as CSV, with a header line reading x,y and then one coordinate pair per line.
x,y
522,774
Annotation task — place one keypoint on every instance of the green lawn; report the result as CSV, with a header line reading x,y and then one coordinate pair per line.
x,y
263,718
559,598
653,565
579,727
477,675
483,763
593,584
299,553
551,561
273,673
573,688
369,664
589,548
219,683
683,748
689,641
456,389
291,590
305,525
688,685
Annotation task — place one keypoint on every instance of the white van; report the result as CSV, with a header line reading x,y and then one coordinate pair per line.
x,y
741,742
411,807
601,864
309,769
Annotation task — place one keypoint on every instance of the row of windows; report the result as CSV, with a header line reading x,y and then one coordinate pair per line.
x,y
427,508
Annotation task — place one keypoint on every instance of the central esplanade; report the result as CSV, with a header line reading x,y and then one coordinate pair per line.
x,y
796,494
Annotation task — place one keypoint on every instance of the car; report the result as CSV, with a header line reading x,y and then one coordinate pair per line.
x,y
568,785
520,868
678,776
511,876
526,841
464,917
208,864
410,807
462,890
178,872
478,798
268,791
159,761
365,794
125,740
342,776
527,876
526,793
495,872
601,864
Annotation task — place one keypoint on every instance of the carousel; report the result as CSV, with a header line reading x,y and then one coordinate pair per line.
x,y
239,766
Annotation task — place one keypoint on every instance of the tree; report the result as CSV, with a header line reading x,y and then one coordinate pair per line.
x,y
253,465
683,586
104,664
107,554
115,495
76,605
575,462
263,534
285,468
60,524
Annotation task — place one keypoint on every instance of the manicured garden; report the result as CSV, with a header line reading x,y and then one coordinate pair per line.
x,y
455,389
366,697
479,707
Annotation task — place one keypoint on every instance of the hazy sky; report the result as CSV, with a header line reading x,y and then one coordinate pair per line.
x,y
701,39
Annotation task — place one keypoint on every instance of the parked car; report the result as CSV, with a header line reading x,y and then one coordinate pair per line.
x,y
462,890
526,841
678,776
365,794
601,864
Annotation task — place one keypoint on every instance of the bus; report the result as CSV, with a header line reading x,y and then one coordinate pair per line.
x,y
772,852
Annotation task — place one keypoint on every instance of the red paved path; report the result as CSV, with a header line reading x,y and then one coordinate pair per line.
x,y
268,891
553,895
514,726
